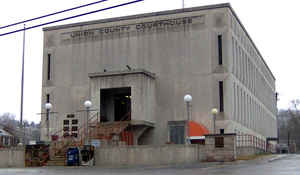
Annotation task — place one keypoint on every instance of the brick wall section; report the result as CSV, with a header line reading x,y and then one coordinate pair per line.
x,y
220,154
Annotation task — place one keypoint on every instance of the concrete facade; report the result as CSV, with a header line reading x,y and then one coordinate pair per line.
x,y
179,47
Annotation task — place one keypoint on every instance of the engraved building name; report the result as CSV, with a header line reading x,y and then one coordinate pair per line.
x,y
139,27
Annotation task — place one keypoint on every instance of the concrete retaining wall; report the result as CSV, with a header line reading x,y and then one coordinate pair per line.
x,y
202,153
168,154
12,157
146,155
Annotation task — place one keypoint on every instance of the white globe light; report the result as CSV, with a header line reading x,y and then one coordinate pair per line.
x,y
48,106
87,104
188,98
214,111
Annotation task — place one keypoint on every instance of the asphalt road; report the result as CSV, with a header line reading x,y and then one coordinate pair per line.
x,y
288,165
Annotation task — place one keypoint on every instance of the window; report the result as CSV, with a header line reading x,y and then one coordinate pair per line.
x,y
66,122
70,115
219,142
66,134
6,140
221,98
74,122
66,128
74,128
47,101
49,67
220,49
74,135
48,98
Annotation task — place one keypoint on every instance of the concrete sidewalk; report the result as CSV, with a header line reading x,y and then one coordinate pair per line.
x,y
194,168
279,157
264,158
258,160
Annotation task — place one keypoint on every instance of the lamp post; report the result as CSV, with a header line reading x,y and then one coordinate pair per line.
x,y
188,99
48,107
87,105
214,112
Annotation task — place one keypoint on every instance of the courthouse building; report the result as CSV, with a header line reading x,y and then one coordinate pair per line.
x,y
137,69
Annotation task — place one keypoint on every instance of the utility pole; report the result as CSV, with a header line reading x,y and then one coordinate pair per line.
x,y
289,138
182,4
22,88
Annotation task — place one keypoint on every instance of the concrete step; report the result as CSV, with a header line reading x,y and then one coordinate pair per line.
x,y
56,163
58,160
58,157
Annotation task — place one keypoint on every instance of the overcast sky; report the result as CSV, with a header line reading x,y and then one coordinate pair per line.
x,y
273,25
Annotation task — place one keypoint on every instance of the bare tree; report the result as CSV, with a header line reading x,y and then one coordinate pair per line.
x,y
289,124
8,120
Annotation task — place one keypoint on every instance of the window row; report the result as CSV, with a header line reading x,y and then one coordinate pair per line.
x,y
68,129
250,49
248,73
250,114
74,122
68,134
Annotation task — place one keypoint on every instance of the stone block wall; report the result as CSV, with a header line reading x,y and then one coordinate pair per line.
x,y
219,153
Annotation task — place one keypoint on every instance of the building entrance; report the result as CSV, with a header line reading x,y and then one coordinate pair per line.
x,y
124,120
115,104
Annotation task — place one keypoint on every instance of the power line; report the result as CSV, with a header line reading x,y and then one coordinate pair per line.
x,y
71,17
51,14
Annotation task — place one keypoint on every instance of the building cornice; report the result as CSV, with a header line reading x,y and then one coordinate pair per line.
x,y
121,73
168,12
145,15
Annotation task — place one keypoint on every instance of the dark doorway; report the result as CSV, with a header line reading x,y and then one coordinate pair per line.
x,y
115,104
177,134
122,107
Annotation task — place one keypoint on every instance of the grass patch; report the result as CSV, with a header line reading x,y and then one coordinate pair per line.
x,y
251,157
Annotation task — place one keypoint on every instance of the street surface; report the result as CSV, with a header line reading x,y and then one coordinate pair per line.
x,y
288,165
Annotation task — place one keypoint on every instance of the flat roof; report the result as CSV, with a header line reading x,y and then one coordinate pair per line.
x,y
168,12
120,73
144,15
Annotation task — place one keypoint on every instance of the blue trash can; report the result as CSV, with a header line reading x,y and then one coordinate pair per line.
x,y
73,157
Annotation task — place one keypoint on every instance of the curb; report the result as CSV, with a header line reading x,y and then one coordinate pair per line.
x,y
278,158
